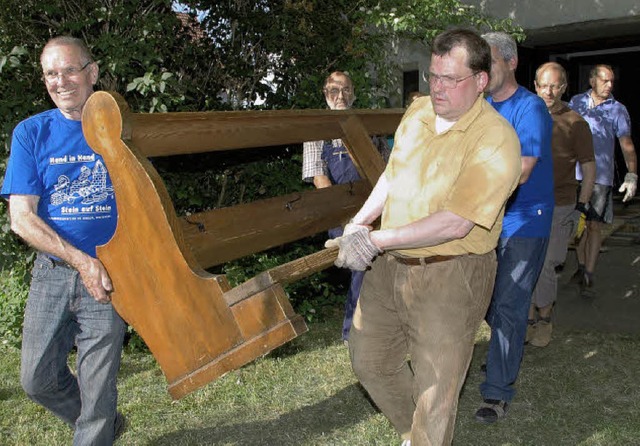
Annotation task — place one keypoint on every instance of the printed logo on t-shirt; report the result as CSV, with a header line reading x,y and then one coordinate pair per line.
x,y
85,195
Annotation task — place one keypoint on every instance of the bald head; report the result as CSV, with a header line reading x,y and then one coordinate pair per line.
x,y
552,66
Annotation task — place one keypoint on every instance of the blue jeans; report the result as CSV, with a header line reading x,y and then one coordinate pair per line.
x,y
352,302
520,261
59,314
354,291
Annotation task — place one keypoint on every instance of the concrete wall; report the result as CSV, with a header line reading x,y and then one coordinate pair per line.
x,y
534,14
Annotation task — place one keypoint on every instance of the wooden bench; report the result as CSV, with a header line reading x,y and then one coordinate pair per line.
x,y
194,323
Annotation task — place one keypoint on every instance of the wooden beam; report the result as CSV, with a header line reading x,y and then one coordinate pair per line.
x,y
283,274
226,234
365,156
163,134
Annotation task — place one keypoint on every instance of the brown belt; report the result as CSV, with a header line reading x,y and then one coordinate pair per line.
x,y
413,261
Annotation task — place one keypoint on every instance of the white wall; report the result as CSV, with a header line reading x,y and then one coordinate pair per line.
x,y
534,14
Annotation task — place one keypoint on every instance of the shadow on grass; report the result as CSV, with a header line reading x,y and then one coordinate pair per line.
x,y
7,394
295,427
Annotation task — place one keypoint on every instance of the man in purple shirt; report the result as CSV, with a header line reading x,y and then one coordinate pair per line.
x,y
607,119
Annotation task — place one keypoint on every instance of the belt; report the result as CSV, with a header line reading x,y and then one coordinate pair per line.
x,y
58,262
414,261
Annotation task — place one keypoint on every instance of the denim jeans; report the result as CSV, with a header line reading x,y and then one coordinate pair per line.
x,y
520,261
352,301
430,313
354,291
60,313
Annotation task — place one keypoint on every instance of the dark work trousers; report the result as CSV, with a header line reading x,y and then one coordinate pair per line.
x,y
342,170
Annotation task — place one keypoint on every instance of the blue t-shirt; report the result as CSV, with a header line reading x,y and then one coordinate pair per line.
x,y
530,208
51,159
608,120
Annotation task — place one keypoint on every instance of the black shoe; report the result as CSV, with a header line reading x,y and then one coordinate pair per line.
x,y
576,279
586,286
119,425
491,411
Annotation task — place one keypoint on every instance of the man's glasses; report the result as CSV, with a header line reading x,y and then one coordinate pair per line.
x,y
69,72
447,82
335,92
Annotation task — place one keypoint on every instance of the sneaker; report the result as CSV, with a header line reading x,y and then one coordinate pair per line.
x,y
542,336
586,286
491,411
406,443
119,426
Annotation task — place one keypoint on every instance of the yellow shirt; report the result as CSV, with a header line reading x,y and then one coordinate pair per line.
x,y
469,169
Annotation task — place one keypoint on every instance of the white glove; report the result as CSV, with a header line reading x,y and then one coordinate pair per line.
x,y
357,251
351,228
629,186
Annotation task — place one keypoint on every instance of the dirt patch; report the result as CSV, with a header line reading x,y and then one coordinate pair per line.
x,y
616,305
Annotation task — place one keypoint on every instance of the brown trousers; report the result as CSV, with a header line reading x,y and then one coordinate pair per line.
x,y
412,339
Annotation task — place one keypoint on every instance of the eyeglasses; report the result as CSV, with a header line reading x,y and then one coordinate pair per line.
x,y
335,92
447,82
69,72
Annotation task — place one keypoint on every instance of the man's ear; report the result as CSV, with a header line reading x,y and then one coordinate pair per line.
x,y
482,80
94,73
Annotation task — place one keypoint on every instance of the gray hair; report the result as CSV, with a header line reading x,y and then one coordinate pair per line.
x,y
85,54
504,43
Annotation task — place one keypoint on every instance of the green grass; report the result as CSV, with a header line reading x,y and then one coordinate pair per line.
x,y
581,390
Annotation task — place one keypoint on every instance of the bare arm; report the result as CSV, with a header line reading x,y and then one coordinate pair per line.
x,y
436,229
372,208
528,163
588,179
629,153
26,223
321,181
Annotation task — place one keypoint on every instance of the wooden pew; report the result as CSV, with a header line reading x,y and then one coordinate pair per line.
x,y
195,324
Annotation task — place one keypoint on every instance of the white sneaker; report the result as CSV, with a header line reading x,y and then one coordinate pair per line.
x,y
406,443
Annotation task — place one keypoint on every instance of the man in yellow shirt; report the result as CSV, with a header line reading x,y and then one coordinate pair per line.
x,y
441,198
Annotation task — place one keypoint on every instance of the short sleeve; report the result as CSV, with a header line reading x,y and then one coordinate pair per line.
x,y
22,175
312,164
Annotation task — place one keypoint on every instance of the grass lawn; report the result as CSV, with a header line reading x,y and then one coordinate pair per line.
x,y
581,390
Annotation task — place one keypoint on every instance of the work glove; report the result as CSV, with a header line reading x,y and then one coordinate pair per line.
x,y
578,219
629,186
357,251
582,207
351,228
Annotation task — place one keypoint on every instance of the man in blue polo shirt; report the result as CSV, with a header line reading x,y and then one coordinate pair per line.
x,y
61,202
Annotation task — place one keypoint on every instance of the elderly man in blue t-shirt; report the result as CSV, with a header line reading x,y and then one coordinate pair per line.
x,y
61,202
525,229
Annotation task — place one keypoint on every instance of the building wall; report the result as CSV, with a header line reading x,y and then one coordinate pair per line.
x,y
533,14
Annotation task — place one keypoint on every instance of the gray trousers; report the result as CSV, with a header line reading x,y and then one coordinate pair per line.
x,y
565,221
